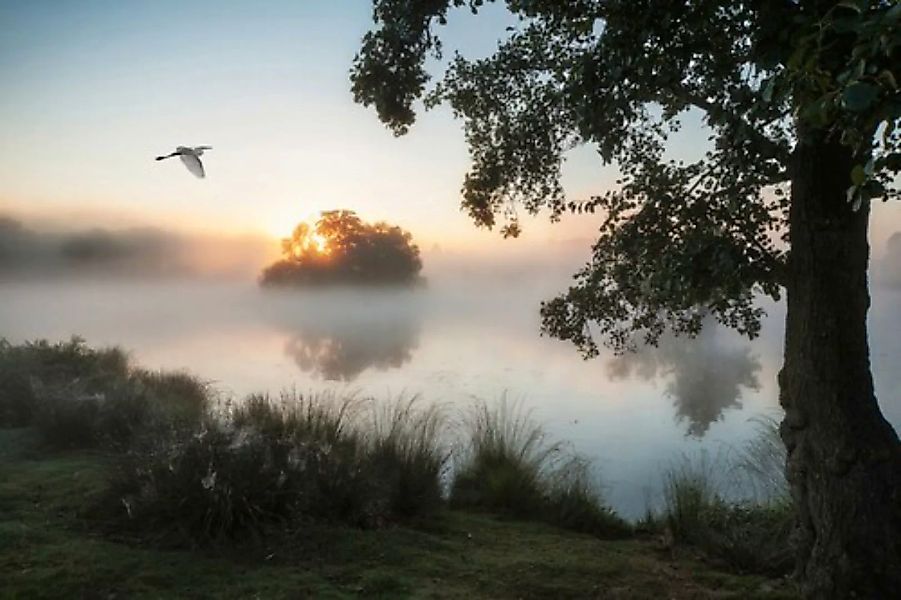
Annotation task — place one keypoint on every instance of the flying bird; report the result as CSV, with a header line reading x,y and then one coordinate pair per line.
x,y
190,157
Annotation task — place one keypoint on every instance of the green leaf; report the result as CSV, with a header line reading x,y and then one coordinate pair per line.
x,y
858,176
859,96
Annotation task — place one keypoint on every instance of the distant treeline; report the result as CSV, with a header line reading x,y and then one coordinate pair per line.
x,y
136,252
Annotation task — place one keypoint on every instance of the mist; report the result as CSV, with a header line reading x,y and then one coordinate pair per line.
x,y
179,300
35,250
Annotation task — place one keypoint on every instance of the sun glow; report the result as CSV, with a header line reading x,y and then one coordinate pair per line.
x,y
307,242
320,243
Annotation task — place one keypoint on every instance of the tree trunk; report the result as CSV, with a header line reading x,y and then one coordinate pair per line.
x,y
844,459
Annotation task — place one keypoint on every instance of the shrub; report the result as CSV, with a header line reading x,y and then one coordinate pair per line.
x,y
227,483
62,364
509,466
79,397
179,399
279,462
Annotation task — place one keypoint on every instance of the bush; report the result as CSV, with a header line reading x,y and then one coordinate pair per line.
x,y
178,399
41,364
509,467
282,462
125,413
79,397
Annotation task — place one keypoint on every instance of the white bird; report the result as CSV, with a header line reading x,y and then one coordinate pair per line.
x,y
190,157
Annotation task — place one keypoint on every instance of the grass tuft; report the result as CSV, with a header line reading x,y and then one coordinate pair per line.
x,y
509,466
749,536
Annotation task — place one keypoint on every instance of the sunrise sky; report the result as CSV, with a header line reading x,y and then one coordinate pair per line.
x,y
93,90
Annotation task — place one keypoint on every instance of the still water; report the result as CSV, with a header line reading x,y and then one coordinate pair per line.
x,y
451,342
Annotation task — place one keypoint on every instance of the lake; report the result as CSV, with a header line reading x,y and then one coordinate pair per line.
x,y
455,340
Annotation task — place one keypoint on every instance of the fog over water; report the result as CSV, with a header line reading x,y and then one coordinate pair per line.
x,y
472,332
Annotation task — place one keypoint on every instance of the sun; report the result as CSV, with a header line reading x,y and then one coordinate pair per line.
x,y
320,243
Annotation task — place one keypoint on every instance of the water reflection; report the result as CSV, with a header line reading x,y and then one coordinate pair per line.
x,y
704,376
338,335
341,351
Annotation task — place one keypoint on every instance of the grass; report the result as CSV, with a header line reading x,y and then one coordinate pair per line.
x,y
122,475
284,462
748,535
407,455
509,466
760,463
50,548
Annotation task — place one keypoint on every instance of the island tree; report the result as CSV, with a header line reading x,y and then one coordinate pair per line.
x,y
801,100
342,248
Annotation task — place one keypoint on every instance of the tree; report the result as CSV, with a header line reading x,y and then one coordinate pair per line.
x,y
341,248
801,98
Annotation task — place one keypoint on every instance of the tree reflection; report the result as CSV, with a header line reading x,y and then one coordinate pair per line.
x,y
337,335
340,352
704,376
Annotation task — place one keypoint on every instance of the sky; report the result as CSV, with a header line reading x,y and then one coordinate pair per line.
x,y
93,90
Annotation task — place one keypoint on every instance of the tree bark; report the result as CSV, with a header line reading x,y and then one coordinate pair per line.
x,y
844,459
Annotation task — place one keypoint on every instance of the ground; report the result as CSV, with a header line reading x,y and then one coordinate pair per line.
x,y
51,548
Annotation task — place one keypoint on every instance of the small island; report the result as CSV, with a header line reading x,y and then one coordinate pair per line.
x,y
341,248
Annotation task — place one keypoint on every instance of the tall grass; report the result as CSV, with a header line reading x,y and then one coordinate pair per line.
x,y
408,454
509,465
760,463
750,534
505,460
280,462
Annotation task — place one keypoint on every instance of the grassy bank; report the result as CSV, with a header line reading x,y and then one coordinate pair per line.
x,y
118,482
51,546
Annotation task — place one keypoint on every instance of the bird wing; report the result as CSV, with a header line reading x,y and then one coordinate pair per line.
x,y
193,163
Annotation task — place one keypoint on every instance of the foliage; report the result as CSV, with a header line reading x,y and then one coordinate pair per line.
x,y
760,462
407,455
844,70
509,466
40,364
341,248
79,397
284,463
750,536
678,240
48,550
